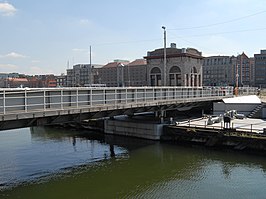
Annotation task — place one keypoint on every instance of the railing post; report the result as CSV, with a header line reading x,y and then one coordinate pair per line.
x,y
115,96
25,101
77,97
126,95
104,96
145,94
4,101
44,100
62,105
136,95
90,97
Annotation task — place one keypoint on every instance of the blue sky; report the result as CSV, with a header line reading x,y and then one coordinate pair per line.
x,y
40,37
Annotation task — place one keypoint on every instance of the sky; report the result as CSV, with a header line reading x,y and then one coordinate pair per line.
x,y
48,36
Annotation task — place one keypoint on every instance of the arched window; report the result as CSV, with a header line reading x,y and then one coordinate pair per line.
x,y
194,70
175,76
175,69
155,70
193,77
155,77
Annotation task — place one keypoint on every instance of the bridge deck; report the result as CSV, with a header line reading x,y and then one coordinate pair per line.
x,y
26,107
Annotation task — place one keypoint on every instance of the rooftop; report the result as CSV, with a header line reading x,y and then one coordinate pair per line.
x,y
250,99
115,64
174,52
138,62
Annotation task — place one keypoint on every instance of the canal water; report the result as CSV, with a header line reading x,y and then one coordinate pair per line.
x,y
58,163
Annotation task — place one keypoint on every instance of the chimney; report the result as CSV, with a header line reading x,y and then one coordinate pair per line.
x,y
173,45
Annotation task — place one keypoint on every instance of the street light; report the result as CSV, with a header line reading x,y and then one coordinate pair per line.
x,y
164,56
237,75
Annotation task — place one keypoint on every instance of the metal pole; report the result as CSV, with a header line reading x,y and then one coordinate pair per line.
x,y
128,74
4,101
164,57
90,69
236,89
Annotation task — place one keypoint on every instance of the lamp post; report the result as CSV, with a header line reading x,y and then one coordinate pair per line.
x,y
128,75
237,75
91,81
164,56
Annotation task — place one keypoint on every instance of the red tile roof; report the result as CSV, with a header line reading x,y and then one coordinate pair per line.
x,y
18,79
114,64
138,62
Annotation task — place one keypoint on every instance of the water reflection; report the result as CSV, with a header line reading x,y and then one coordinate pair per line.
x,y
28,154
149,170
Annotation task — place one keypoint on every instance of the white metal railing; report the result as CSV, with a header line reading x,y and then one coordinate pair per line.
x,y
247,90
42,99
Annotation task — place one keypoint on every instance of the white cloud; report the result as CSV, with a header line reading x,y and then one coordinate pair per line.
x,y
7,9
13,55
79,50
85,22
35,61
8,68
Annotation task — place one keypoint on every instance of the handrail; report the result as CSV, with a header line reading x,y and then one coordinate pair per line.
x,y
31,99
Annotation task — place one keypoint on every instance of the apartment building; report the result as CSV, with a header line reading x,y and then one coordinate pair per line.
x,y
81,75
228,71
260,69
218,71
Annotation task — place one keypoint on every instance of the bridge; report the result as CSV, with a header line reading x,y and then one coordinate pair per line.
x,y
24,107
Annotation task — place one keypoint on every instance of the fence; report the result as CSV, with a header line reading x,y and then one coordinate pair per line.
x,y
41,99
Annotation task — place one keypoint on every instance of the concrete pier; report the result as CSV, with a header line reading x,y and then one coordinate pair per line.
x,y
152,131
244,135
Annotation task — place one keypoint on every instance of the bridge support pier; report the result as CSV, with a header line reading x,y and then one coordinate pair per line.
x,y
161,115
131,128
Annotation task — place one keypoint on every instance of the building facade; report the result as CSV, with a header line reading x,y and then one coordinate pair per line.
x,y
135,73
245,66
218,71
123,73
80,75
228,71
36,81
61,80
260,69
112,74
183,67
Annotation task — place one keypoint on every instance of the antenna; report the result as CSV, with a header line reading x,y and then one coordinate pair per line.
x,y
91,76
90,56
67,64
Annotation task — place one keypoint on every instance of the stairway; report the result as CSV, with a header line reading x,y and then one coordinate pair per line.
x,y
256,111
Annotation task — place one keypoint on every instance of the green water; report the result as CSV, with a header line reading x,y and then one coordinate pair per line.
x,y
140,169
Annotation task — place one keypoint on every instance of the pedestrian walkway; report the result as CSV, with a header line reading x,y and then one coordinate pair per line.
x,y
247,124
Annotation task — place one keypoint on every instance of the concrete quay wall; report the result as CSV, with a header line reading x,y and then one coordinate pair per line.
x,y
150,131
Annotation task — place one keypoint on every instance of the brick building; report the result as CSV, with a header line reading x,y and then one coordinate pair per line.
x,y
260,69
223,70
